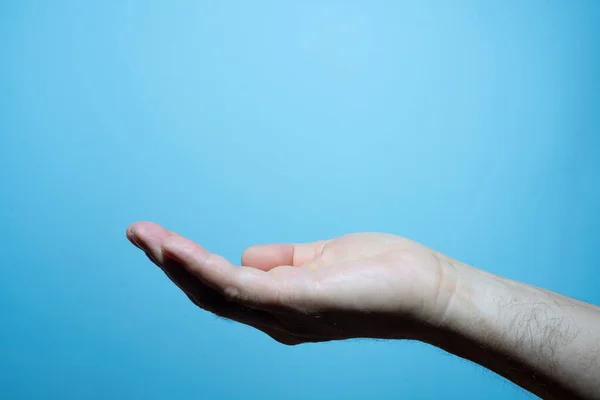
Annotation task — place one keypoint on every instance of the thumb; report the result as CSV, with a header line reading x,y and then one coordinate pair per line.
x,y
267,257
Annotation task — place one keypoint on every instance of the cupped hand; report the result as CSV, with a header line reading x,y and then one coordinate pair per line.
x,y
359,285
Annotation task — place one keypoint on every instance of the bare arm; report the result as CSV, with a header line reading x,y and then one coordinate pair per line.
x,y
374,285
544,342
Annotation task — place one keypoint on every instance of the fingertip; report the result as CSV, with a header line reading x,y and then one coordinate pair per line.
x,y
143,228
130,234
147,236
266,257
136,233
129,230
251,253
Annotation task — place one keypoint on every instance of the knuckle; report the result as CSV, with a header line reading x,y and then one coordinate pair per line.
x,y
232,293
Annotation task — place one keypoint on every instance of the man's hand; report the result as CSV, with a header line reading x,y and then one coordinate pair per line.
x,y
358,285
383,286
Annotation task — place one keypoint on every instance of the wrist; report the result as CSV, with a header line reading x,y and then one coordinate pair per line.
x,y
447,309
467,313
474,308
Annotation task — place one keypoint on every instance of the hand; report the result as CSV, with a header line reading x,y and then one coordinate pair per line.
x,y
358,285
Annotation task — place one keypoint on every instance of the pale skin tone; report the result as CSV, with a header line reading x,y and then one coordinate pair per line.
x,y
374,285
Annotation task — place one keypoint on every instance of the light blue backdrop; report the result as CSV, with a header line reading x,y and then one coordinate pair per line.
x,y
472,127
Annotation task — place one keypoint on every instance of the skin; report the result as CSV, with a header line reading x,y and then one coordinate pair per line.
x,y
374,285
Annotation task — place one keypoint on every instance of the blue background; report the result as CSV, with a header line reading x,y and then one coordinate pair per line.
x,y
472,127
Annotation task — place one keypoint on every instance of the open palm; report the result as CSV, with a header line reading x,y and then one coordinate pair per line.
x,y
357,285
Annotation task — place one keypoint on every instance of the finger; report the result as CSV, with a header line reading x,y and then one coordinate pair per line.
x,y
212,301
148,237
266,257
247,286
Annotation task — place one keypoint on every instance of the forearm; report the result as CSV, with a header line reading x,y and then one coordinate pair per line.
x,y
546,343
